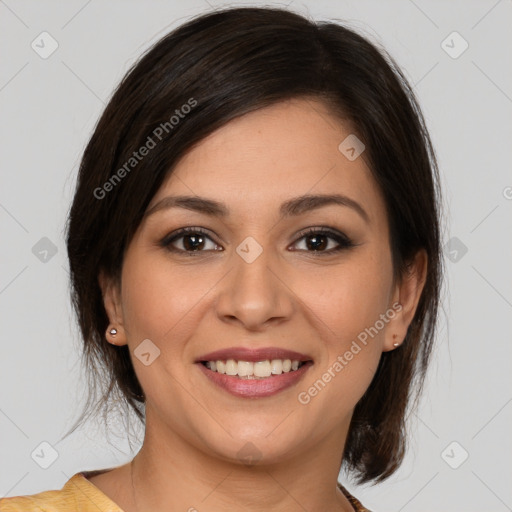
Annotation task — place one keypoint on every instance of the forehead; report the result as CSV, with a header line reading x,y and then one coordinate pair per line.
x,y
261,159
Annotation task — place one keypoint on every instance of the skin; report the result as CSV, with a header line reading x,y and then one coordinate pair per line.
x,y
311,302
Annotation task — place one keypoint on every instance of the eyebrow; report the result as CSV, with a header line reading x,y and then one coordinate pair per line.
x,y
291,207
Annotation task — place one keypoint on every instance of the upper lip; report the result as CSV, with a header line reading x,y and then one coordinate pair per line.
x,y
253,354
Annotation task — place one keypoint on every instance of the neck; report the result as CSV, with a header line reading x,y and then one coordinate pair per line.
x,y
170,473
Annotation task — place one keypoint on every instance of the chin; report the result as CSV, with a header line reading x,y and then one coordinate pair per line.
x,y
258,449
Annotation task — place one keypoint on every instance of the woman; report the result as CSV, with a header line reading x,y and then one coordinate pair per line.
x,y
254,250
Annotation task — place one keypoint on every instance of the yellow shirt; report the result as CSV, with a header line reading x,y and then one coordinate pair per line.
x,y
81,495
77,495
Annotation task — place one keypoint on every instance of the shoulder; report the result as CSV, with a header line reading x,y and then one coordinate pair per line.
x,y
77,495
19,504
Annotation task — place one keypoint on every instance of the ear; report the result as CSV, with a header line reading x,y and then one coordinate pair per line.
x,y
110,290
407,293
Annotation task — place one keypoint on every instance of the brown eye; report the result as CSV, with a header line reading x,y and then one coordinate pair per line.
x,y
193,242
189,240
317,241
324,241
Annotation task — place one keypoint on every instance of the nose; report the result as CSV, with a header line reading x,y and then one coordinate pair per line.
x,y
255,294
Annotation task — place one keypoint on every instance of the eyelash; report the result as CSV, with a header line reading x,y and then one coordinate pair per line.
x,y
343,241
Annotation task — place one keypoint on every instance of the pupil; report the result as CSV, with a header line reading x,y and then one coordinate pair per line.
x,y
197,242
316,244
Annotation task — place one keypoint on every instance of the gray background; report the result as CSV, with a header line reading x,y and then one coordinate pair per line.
x,y
48,110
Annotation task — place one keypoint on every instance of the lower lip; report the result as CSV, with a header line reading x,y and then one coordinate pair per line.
x,y
255,388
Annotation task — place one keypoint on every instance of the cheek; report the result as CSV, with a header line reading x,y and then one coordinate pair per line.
x,y
160,300
349,298
348,307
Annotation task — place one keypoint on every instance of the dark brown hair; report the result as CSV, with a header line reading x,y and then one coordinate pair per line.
x,y
224,64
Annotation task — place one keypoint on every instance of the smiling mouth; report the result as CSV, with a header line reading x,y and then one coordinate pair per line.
x,y
248,370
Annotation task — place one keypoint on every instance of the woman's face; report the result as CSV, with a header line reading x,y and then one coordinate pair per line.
x,y
255,283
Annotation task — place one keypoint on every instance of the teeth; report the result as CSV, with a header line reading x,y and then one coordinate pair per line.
x,y
231,367
245,369
276,366
262,369
256,370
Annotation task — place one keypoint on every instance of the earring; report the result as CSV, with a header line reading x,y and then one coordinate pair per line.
x,y
396,344
110,336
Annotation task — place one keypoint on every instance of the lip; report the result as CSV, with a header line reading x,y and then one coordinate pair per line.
x,y
255,388
253,354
